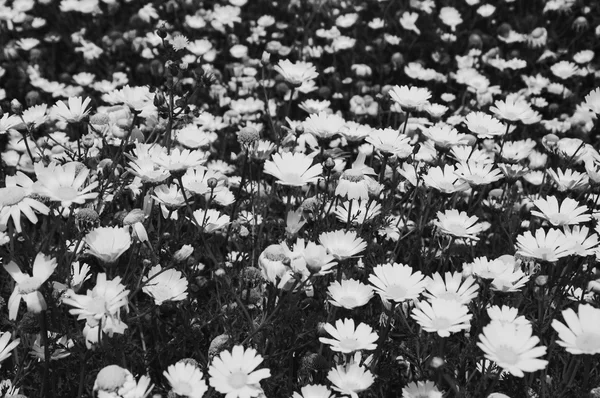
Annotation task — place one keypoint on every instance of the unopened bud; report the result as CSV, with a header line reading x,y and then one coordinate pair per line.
x,y
16,107
437,362
329,163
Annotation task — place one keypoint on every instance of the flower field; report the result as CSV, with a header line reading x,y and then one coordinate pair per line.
x,y
299,199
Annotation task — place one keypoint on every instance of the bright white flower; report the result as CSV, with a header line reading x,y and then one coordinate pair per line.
x,y
459,224
347,339
581,334
6,346
478,174
442,316
350,379
444,135
233,373
543,246
293,169
210,220
564,69
324,125
569,179
569,212
313,391
75,111
391,142
451,287
341,244
14,200
492,269
512,347
444,179
349,293
397,282
410,99
408,21
296,73
581,242
186,380
9,122
27,287
180,159
64,183
108,243
165,285
101,305
420,389
450,17
592,101
484,125
514,109
506,315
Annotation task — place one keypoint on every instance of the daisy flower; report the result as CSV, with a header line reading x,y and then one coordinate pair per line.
x,y
180,159
410,99
6,346
581,334
564,69
186,380
108,243
491,269
309,257
64,184
101,305
569,180
75,111
514,109
27,286
442,316
506,315
115,381
296,73
458,224
444,135
14,200
512,347
444,180
169,196
544,246
9,122
347,338
420,389
358,211
451,287
397,282
293,169
509,282
478,174
210,220
313,391
349,293
582,243
450,17
35,116
569,212
342,244
592,101
167,285
350,379
353,184
391,142
324,125
233,373
483,125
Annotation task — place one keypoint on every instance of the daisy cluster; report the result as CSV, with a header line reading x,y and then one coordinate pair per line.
x,y
305,199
